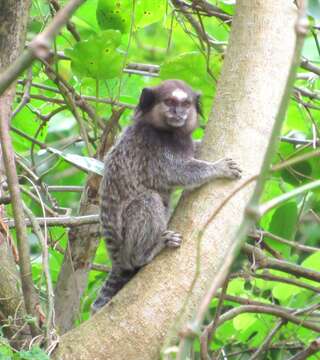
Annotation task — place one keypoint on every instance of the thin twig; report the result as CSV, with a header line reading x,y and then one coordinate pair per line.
x,y
45,264
26,95
264,208
266,262
266,343
313,348
66,221
39,46
70,26
266,275
267,309
208,332
29,293
294,244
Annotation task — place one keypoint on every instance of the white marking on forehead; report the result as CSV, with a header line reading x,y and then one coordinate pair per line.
x,y
179,94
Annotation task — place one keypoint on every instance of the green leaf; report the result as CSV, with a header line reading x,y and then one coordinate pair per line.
x,y
299,173
83,162
25,122
149,12
191,67
5,351
312,262
85,17
34,354
98,57
236,286
273,188
285,292
283,224
244,321
114,14
118,14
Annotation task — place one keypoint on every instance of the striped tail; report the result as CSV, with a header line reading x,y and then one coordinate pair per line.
x,y
116,280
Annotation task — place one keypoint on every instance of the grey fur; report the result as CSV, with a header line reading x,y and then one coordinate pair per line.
x,y
151,159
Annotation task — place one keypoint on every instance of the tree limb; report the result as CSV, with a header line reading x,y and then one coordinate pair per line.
x,y
39,46
266,262
145,311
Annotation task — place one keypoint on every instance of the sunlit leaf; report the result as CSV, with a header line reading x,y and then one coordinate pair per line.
x,y
83,162
98,57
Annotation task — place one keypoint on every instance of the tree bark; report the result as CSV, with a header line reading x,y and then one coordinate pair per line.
x,y
13,24
136,323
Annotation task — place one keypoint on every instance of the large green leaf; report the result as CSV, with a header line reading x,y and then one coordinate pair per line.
x,y
118,14
273,188
98,57
191,67
283,224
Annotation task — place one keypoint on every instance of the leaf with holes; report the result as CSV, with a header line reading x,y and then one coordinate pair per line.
x,y
98,57
114,14
118,14
148,12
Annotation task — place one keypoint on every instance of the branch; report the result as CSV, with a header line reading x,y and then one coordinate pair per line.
x,y
45,264
208,332
70,26
270,277
251,211
264,208
26,95
158,292
267,341
29,293
271,310
39,46
181,6
212,10
313,348
263,261
67,221
293,244
307,65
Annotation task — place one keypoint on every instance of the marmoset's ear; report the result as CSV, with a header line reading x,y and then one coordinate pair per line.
x,y
198,104
147,99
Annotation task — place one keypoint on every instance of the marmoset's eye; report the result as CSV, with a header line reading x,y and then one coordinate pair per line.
x,y
170,102
186,103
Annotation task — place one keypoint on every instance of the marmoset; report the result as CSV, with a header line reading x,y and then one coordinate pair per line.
x,y
152,157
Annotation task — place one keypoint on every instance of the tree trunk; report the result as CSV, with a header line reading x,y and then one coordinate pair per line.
x,y
135,324
13,23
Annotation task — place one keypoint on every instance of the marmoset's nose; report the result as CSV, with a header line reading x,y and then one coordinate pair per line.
x,y
181,112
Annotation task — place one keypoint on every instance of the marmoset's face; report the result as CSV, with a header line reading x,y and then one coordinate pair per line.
x,y
170,106
177,107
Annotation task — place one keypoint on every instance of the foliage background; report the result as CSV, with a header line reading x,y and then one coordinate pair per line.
x,y
113,34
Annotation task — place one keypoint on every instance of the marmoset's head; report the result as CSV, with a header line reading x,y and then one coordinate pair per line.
x,y
169,106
